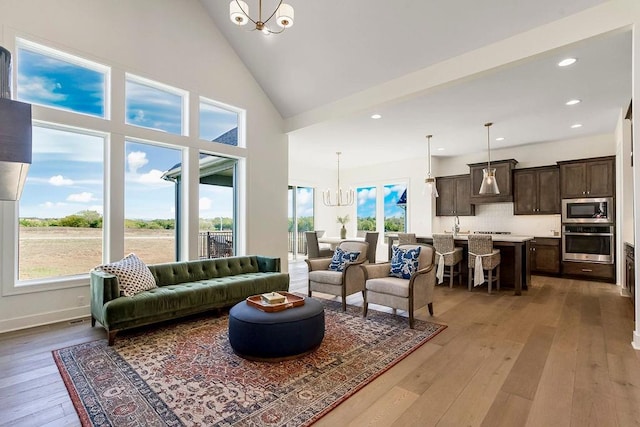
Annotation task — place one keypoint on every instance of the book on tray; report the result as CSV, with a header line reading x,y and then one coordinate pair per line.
x,y
273,298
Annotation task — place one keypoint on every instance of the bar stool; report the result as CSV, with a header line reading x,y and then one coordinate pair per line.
x,y
482,257
447,255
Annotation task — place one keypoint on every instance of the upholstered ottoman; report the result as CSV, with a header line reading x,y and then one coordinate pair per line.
x,y
257,335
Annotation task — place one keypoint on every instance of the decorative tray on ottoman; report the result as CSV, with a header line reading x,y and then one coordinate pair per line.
x,y
290,301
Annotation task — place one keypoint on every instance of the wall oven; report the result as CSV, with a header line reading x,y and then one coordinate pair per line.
x,y
588,243
590,211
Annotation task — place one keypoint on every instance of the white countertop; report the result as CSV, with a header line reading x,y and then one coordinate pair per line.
x,y
495,237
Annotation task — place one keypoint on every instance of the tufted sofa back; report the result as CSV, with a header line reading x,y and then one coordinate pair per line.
x,y
172,273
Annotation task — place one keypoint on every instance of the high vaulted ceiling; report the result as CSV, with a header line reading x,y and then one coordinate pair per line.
x,y
338,50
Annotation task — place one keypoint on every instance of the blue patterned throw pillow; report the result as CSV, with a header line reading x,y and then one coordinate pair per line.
x,y
341,257
404,262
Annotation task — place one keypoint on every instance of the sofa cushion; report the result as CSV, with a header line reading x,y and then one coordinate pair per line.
x,y
341,258
404,262
133,275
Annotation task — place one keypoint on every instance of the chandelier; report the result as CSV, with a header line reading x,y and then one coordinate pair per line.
x,y
489,184
430,182
342,198
239,15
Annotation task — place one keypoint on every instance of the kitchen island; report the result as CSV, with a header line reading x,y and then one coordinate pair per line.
x,y
515,264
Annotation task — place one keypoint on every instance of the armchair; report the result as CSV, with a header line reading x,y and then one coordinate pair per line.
x,y
404,294
341,283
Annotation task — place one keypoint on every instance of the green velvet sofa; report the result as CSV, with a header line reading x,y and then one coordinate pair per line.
x,y
184,288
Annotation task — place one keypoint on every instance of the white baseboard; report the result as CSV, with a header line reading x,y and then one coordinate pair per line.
x,y
636,340
41,319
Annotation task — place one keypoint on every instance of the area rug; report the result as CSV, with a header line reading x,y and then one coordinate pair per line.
x,y
186,374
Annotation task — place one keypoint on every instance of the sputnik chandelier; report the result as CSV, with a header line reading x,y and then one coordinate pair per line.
x,y
239,15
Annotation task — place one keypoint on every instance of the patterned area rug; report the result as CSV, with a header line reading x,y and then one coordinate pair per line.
x,y
186,374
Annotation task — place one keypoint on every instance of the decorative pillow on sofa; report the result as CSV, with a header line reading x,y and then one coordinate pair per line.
x,y
133,275
404,262
341,257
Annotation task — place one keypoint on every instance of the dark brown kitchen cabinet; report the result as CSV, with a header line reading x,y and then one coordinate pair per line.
x,y
503,178
587,178
453,196
545,255
536,191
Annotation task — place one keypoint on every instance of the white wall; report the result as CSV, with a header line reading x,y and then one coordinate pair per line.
x,y
176,43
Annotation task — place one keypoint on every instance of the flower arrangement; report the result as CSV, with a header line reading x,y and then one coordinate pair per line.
x,y
343,219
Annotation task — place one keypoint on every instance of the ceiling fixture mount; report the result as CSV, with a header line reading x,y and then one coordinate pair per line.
x,y
489,184
566,62
342,198
239,15
430,182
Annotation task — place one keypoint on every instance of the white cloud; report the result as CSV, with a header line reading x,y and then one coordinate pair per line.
x,y
205,203
136,160
59,180
154,176
83,197
41,89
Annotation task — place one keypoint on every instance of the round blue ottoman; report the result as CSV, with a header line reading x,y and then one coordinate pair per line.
x,y
294,332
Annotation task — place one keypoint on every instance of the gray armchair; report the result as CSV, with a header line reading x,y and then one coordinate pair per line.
x,y
404,294
340,283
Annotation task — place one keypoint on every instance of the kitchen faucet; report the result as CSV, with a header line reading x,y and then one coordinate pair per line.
x,y
456,226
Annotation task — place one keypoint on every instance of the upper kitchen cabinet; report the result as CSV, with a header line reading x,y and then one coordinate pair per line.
x,y
503,178
454,194
587,178
536,191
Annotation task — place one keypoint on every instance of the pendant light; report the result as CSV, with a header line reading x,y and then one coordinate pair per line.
x,y
489,184
429,182
345,198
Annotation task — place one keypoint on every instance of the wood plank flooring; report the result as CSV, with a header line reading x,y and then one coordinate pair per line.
x,y
559,355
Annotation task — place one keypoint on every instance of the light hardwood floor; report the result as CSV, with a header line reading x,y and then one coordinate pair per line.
x,y
559,355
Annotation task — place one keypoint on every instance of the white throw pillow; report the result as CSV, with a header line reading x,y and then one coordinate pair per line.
x,y
133,275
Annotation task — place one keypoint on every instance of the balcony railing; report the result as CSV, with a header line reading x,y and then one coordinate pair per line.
x,y
302,242
215,244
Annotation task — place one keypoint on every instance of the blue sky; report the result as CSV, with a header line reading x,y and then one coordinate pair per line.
x,y
366,202
392,194
66,175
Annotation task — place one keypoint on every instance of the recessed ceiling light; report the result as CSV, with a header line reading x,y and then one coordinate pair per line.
x,y
376,116
576,126
573,102
500,138
566,62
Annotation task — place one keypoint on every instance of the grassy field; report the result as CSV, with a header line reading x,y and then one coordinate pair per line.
x,y
62,251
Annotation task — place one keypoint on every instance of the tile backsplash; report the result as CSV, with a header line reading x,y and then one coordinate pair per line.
x,y
500,217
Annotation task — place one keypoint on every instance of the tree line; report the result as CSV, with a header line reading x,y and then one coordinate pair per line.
x,y
93,219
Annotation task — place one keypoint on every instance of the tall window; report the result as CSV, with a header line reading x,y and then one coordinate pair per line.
x,y
60,220
301,211
153,105
218,124
395,202
217,206
366,209
54,79
61,205
150,202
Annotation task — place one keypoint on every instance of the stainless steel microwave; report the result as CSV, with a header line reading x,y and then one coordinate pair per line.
x,y
591,211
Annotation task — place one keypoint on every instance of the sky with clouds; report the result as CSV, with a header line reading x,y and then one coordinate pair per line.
x,y
66,175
